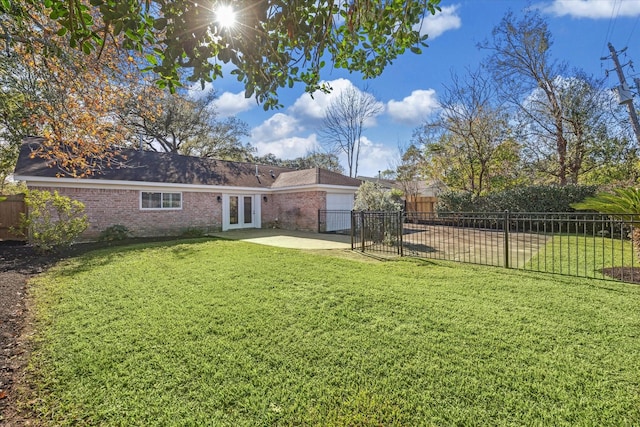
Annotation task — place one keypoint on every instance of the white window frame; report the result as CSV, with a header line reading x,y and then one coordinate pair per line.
x,y
161,208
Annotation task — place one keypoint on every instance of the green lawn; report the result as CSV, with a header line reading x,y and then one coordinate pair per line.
x,y
230,333
584,256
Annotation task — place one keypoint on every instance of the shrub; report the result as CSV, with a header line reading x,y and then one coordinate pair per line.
x,y
379,228
53,221
456,201
372,197
536,198
114,233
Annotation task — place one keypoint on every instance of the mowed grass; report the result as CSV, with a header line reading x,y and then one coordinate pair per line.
x,y
235,334
584,256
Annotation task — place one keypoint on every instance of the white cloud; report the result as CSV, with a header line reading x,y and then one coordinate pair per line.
x,y
288,148
374,157
445,20
281,133
230,104
314,107
594,9
415,108
311,111
276,127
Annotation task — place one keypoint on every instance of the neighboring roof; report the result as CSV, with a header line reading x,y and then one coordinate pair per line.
x,y
172,168
314,176
384,183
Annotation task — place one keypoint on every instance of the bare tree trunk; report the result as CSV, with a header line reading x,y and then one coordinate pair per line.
x,y
635,239
344,121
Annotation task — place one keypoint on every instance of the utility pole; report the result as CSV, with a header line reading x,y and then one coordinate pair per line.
x,y
625,96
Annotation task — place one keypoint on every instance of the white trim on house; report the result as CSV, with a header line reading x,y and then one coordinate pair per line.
x,y
316,187
160,186
129,185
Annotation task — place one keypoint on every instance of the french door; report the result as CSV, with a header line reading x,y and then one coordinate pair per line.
x,y
240,211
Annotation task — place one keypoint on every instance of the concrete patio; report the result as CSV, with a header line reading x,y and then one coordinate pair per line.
x,y
288,238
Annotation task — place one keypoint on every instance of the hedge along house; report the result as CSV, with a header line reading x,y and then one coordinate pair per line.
x,y
154,193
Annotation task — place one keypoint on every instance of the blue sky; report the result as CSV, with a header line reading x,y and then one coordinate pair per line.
x,y
408,89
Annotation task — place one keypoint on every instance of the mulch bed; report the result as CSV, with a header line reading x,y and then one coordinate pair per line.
x,y
17,263
624,274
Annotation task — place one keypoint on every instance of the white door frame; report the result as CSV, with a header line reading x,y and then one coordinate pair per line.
x,y
255,212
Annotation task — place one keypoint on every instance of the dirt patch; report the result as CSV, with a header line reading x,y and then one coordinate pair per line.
x,y
624,274
17,264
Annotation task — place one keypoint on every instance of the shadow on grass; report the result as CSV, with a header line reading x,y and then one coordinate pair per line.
x,y
419,248
86,256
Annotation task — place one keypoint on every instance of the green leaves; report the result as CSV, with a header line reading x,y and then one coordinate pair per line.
x,y
621,201
269,50
54,221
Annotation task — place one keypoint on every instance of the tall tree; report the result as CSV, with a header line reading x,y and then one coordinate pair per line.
x,y
470,146
409,172
270,43
13,126
313,159
521,63
175,123
223,142
69,102
344,122
589,129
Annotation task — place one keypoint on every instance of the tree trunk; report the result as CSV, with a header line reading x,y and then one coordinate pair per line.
x,y
635,239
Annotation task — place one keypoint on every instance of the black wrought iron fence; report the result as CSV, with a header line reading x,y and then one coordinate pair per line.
x,y
334,221
576,244
377,231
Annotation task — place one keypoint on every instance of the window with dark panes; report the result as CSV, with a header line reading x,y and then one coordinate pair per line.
x,y
158,200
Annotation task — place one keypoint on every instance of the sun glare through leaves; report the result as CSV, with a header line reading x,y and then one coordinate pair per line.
x,y
225,16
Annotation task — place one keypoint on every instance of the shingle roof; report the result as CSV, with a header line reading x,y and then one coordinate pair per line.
x,y
172,168
314,176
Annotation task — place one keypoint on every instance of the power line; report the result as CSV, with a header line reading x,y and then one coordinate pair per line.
x,y
633,28
612,19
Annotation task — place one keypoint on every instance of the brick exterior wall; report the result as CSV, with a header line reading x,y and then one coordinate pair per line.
x,y
106,207
293,211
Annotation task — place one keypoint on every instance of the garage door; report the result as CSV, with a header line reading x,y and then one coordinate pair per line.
x,y
338,211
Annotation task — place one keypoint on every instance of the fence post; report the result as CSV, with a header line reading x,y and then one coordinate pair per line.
x,y
506,239
362,229
319,231
400,231
353,228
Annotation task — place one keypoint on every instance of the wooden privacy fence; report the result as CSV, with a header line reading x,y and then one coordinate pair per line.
x,y
10,209
421,204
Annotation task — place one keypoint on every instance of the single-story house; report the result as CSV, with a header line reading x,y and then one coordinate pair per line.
x,y
154,193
